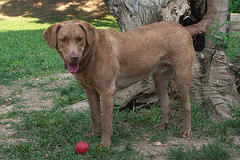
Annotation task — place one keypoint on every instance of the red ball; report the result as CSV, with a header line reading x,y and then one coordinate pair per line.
x,y
82,147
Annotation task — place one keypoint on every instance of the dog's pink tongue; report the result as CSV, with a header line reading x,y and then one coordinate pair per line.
x,y
73,67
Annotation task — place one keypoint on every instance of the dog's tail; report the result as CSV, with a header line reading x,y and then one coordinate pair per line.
x,y
210,17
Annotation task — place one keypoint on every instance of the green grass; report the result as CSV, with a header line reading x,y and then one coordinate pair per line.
x,y
215,151
53,134
205,127
70,94
24,52
233,47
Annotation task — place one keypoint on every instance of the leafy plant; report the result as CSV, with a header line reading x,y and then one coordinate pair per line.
x,y
234,6
228,42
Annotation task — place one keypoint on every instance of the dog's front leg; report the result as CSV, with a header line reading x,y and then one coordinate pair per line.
x,y
107,102
94,103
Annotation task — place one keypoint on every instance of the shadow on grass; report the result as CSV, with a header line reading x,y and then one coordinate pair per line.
x,y
55,10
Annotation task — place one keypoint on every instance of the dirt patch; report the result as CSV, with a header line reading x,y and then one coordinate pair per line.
x,y
6,132
32,98
37,96
158,151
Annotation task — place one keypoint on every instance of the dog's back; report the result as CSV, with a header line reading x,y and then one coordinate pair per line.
x,y
138,53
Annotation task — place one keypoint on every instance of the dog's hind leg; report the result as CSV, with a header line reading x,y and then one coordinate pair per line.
x,y
184,75
161,80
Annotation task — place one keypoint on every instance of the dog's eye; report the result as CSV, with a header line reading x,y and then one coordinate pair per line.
x,y
79,39
63,39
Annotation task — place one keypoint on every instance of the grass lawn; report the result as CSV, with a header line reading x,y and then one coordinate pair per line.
x,y
52,133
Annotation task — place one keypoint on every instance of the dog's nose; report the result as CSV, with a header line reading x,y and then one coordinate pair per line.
x,y
74,57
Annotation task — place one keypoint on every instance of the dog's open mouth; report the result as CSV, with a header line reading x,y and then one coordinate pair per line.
x,y
73,67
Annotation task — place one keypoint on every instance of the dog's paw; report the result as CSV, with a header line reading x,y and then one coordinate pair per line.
x,y
185,133
105,143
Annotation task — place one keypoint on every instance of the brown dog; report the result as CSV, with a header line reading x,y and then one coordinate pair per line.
x,y
104,61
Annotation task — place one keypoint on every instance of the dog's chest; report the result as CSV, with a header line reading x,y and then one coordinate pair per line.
x,y
81,78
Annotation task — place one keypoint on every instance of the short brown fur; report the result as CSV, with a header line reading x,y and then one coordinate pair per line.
x,y
104,61
111,60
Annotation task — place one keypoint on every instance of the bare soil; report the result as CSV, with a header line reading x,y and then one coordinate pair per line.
x,y
35,97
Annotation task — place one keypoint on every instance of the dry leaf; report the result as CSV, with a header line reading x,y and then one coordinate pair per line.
x,y
159,144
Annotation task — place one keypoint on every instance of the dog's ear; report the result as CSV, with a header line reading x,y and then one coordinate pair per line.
x,y
50,35
89,30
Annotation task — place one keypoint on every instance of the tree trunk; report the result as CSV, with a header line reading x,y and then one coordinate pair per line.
x,y
214,80
131,14
213,83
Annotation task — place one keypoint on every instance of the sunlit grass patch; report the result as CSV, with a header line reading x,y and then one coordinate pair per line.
x,y
20,23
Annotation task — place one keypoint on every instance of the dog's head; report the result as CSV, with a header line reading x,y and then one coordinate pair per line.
x,y
70,38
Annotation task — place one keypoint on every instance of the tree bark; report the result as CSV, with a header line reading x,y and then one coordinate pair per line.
x,y
131,14
213,83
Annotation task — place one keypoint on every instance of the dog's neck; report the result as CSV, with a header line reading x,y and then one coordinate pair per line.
x,y
87,54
